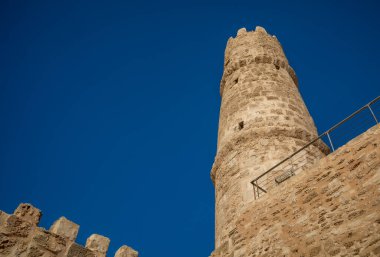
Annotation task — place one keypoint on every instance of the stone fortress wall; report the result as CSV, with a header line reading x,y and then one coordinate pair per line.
x,y
20,236
263,119
332,209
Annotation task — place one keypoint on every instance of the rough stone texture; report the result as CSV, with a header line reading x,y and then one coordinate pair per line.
x,y
332,209
263,119
29,213
20,237
65,228
126,251
79,251
98,244
46,243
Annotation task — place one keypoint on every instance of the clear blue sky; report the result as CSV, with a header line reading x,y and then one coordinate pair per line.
x,y
109,109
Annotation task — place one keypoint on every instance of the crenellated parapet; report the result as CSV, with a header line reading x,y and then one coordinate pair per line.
x,y
20,236
250,48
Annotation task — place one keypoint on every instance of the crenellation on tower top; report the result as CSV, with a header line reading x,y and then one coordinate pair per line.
x,y
241,32
253,47
260,30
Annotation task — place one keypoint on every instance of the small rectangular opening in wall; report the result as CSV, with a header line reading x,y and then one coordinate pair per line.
x,y
241,125
236,80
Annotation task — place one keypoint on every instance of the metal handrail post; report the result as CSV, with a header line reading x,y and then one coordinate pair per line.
x,y
328,136
373,114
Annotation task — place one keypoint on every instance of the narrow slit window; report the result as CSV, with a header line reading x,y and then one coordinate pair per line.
x,y
241,125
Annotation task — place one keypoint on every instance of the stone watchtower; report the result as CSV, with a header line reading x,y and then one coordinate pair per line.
x,y
263,119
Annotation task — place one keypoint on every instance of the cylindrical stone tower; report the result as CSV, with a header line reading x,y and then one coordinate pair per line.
x,y
263,119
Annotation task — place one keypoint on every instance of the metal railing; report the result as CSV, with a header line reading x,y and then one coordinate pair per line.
x,y
306,156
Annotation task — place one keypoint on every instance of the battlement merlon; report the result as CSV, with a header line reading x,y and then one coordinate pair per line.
x,y
28,213
22,231
250,48
65,228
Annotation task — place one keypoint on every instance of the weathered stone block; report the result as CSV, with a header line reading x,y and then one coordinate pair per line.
x,y
6,244
47,240
98,244
28,213
3,217
15,226
77,250
126,251
65,228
